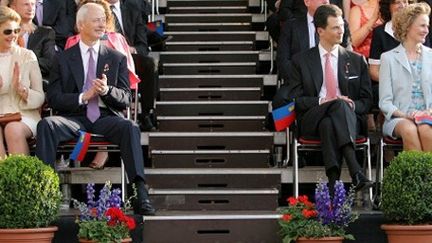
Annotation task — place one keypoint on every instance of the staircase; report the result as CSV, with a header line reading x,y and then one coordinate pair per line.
x,y
212,177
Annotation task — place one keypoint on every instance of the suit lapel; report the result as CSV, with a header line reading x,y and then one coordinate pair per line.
x,y
76,66
401,57
102,62
31,38
343,67
316,68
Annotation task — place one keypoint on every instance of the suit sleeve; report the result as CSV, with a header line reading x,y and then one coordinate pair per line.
x,y
385,87
64,102
48,53
140,39
302,102
284,51
363,104
346,39
119,95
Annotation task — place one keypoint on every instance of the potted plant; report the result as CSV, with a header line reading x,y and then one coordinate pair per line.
x,y
103,220
406,198
29,199
325,221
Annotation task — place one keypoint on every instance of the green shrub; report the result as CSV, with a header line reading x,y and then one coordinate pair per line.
x,y
29,193
407,189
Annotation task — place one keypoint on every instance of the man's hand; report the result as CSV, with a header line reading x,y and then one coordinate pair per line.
x,y
348,100
100,85
325,100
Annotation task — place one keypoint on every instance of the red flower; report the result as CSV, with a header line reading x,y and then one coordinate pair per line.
x,y
130,222
292,201
309,204
309,213
287,217
115,213
304,199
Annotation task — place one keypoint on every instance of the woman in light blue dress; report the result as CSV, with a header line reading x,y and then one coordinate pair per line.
x,y
405,86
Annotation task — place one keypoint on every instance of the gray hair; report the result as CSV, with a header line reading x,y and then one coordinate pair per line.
x,y
83,11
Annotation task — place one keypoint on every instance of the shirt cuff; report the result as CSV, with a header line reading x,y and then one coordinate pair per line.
x,y
105,91
80,100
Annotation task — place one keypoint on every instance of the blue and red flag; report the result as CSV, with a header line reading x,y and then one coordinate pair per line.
x,y
81,147
284,116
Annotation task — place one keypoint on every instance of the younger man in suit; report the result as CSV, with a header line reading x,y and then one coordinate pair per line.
x,y
333,96
299,35
89,89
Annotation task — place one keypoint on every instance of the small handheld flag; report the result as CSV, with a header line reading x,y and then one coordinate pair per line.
x,y
427,119
284,116
81,147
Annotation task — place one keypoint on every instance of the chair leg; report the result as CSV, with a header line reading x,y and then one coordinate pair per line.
x,y
295,169
369,168
123,182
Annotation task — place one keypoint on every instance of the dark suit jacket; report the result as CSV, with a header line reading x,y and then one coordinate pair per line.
x,y
56,15
307,80
292,9
42,42
67,80
133,27
294,38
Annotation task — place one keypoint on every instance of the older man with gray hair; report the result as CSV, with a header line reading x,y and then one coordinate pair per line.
x,y
89,89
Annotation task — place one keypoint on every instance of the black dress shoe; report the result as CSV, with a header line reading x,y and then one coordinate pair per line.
x,y
146,124
142,205
360,182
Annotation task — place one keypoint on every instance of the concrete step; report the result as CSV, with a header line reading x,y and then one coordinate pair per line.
x,y
209,45
208,9
203,94
211,123
214,226
226,26
213,178
201,3
216,81
208,56
218,35
209,68
211,142
212,108
210,158
214,199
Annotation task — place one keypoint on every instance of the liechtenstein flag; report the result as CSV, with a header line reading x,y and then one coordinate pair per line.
x,y
81,147
284,116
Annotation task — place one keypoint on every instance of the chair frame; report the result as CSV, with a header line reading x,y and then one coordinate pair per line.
x,y
301,144
385,143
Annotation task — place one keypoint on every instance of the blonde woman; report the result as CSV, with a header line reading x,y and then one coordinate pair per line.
x,y
405,87
20,86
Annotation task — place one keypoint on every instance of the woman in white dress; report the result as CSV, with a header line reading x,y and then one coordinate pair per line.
x,y
20,86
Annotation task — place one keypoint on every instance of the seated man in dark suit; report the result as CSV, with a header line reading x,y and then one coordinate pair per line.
x,y
89,89
299,35
129,23
331,86
59,15
39,39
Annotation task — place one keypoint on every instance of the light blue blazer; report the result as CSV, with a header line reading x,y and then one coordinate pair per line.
x,y
395,80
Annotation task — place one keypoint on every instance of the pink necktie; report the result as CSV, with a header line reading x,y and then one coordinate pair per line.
x,y
330,79
93,112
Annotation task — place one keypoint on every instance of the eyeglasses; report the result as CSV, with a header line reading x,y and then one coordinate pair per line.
x,y
9,31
